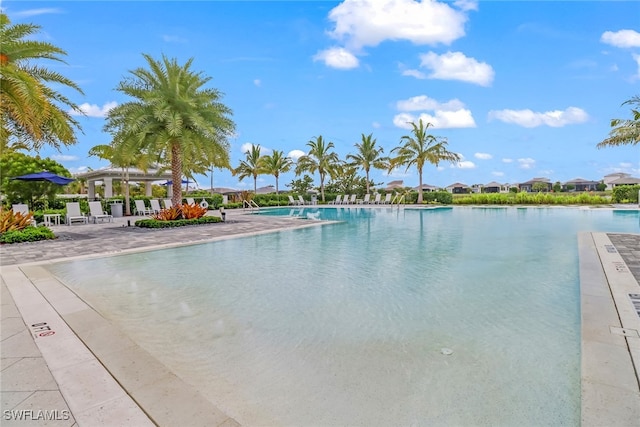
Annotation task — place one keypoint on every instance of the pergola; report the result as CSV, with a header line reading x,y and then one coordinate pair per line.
x,y
108,174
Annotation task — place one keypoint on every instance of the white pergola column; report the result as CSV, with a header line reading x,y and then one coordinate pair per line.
x,y
108,188
147,189
91,189
169,190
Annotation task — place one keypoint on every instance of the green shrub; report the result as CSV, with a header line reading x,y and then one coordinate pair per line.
x,y
625,194
524,198
154,223
29,234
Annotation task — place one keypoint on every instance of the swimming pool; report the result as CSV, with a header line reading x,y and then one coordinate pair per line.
x,y
346,324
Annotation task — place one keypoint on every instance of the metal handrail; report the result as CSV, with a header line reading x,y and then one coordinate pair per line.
x,y
250,204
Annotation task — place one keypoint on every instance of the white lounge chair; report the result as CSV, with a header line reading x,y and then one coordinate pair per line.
x,y
155,205
387,199
141,208
352,200
377,199
366,200
167,203
190,201
74,214
338,200
23,210
292,201
301,201
95,209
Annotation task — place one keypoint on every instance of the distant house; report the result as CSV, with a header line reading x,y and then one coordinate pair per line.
x,y
494,187
458,188
393,185
608,179
426,188
628,180
580,184
528,186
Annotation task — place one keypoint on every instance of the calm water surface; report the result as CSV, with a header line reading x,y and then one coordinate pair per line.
x,y
345,324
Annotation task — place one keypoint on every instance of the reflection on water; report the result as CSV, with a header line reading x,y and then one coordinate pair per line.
x,y
344,324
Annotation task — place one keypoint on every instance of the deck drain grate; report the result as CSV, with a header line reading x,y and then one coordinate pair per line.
x,y
624,332
611,249
635,300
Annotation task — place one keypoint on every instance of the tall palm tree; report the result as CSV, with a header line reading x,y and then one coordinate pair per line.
x,y
30,110
625,132
173,117
368,156
275,164
421,147
319,159
252,166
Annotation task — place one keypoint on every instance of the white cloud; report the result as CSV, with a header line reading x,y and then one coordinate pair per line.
x,y
296,154
497,173
457,66
246,147
483,156
337,57
360,23
423,102
415,73
526,163
530,119
465,164
450,114
93,110
257,82
79,169
376,125
466,4
636,58
35,12
441,120
64,157
507,160
622,38
173,39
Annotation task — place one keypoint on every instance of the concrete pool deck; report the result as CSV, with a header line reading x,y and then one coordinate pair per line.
x,y
64,364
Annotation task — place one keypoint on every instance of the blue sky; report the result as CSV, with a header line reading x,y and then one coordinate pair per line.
x,y
520,89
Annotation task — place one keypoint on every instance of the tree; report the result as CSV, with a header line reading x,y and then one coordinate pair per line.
x,y
30,110
17,164
347,181
173,118
319,159
625,131
540,186
368,156
421,147
301,186
275,164
252,166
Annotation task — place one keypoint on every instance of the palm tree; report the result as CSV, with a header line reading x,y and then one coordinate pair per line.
x,y
252,166
275,164
625,132
421,147
368,155
320,159
173,118
30,112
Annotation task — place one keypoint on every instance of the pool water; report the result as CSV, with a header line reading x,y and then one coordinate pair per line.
x,y
351,323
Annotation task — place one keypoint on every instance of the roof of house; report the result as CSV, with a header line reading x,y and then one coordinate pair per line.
x,y
626,180
493,184
457,184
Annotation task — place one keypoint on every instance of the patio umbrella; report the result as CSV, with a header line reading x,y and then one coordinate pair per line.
x,y
45,176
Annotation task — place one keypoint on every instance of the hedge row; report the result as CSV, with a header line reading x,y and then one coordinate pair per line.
x,y
29,234
154,223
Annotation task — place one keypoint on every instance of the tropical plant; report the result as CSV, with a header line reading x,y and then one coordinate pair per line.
x,y
347,181
10,220
625,131
275,164
421,147
30,110
368,156
173,118
321,159
539,186
192,211
301,185
253,166
14,164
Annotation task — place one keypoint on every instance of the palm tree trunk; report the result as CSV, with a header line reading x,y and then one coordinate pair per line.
x,y
420,186
127,203
277,192
367,173
176,174
322,186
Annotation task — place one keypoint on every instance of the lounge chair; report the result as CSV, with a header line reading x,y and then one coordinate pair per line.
x,y
338,200
167,203
190,201
377,199
23,210
141,208
74,214
95,208
301,201
155,205
352,200
387,199
366,200
292,202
